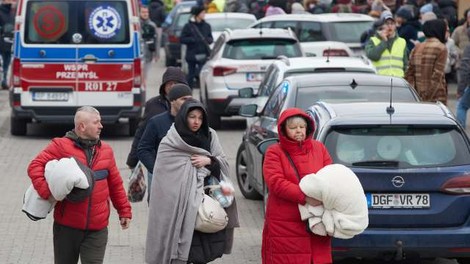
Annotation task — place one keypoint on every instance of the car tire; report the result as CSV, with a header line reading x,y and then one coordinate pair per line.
x,y
463,260
242,175
133,125
265,198
169,61
18,126
215,121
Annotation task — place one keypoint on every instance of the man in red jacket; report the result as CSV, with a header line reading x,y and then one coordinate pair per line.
x,y
80,228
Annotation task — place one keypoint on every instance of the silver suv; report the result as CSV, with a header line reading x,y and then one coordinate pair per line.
x,y
238,60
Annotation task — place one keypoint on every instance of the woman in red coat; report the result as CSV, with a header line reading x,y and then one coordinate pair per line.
x,y
285,236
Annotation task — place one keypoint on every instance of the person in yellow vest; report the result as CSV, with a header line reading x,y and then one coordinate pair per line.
x,y
386,49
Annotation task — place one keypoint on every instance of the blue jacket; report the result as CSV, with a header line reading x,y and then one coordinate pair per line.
x,y
156,129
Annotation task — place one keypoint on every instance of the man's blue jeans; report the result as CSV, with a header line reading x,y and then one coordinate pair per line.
x,y
462,106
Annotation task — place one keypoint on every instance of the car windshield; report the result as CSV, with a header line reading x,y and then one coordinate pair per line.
x,y
258,49
222,23
306,96
348,32
86,22
405,146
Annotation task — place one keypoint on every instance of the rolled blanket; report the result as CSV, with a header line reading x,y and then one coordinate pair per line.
x,y
63,175
345,207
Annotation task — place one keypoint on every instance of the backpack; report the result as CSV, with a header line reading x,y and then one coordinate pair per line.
x,y
149,34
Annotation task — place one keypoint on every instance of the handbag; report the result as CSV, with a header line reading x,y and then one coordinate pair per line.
x,y
137,185
202,57
211,217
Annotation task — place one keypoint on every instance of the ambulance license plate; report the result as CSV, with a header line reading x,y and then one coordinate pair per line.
x,y
51,96
398,200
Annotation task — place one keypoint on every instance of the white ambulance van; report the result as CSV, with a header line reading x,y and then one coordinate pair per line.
x,y
70,53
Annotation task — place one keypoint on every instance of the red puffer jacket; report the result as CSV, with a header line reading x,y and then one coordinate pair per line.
x,y
285,236
92,213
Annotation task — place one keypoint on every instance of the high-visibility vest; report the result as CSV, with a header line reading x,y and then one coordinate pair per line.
x,y
391,62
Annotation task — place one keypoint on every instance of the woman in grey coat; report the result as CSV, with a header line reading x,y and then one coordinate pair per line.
x,y
186,156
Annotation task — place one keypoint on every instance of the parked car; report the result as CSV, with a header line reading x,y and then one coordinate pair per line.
x,y
412,160
220,22
172,34
284,67
239,59
323,34
303,91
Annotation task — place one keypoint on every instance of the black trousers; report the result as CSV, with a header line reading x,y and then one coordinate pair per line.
x,y
71,243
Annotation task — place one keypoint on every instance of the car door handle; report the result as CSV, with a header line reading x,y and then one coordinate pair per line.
x,y
89,59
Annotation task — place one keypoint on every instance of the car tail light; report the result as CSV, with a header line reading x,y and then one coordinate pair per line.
x,y
173,39
137,73
335,52
16,80
457,185
223,71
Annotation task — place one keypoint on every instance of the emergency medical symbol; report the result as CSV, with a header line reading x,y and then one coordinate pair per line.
x,y
104,22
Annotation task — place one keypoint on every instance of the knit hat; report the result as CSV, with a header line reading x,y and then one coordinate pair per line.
x,y
428,16
196,10
179,90
172,74
425,8
404,13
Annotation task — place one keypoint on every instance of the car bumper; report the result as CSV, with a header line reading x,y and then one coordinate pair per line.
x,y
429,243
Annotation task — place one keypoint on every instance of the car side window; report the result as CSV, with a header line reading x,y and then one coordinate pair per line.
x,y
275,103
293,25
264,25
310,31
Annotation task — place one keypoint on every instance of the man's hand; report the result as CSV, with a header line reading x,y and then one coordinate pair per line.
x,y
125,222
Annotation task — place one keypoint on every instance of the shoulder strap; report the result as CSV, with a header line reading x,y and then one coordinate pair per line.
x,y
292,163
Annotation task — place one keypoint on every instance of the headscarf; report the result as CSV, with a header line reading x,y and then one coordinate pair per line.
x,y
435,28
200,138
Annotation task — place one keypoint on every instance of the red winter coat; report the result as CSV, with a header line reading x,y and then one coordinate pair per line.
x,y
92,213
285,236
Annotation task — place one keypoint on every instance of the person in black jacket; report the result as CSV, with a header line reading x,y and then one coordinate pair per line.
x,y
7,24
197,35
155,106
158,126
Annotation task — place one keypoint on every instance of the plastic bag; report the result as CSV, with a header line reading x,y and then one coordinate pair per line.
x,y
137,185
215,190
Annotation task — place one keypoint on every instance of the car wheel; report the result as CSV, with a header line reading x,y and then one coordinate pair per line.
x,y
169,61
265,198
18,126
463,260
242,175
133,125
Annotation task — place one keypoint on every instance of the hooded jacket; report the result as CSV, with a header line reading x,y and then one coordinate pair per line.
x,y
285,236
93,212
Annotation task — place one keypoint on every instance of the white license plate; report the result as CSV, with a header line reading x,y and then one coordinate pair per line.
x,y
51,96
254,77
398,200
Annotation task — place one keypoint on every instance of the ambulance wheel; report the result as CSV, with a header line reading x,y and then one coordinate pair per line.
x,y
18,126
169,61
133,124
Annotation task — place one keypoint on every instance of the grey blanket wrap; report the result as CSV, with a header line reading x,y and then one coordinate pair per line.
x,y
176,193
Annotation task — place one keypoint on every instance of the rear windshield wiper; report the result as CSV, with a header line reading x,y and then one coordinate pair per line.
x,y
268,57
377,163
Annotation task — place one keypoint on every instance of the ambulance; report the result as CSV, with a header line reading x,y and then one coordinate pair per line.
x,y
71,53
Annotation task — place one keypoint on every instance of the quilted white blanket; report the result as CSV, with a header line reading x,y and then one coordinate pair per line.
x,y
344,211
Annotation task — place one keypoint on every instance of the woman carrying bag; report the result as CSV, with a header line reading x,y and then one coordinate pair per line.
x,y
187,156
197,35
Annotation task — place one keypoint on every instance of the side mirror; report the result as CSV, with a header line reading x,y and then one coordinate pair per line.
x,y
264,145
248,110
246,92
